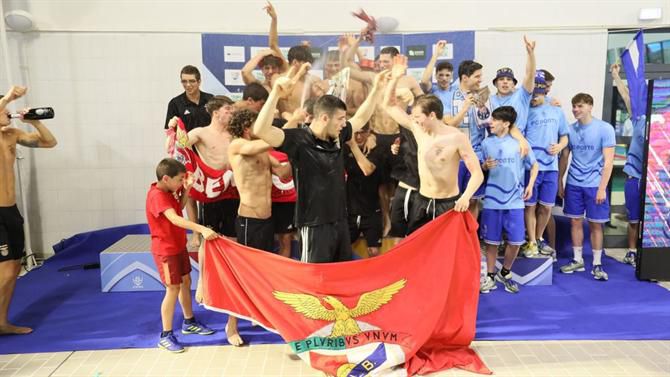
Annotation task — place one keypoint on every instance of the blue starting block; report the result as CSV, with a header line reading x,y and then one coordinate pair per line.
x,y
128,266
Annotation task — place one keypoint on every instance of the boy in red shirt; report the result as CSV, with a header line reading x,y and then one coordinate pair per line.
x,y
165,199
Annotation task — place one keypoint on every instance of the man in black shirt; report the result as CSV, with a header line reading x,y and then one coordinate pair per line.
x,y
406,171
190,105
316,156
363,180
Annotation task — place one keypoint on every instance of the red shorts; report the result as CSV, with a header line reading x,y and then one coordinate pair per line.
x,y
172,267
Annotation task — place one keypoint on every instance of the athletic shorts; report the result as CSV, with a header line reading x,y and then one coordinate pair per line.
x,y
256,233
579,200
220,216
12,239
545,189
495,221
384,142
325,243
400,205
282,217
632,194
172,268
370,226
423,210
464,179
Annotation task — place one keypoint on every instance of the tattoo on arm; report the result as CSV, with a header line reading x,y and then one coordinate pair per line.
x,y
31,143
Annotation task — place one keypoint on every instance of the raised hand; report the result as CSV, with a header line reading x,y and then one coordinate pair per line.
x,y
283,85
615,69
15,92
381,78
530,45
270,10
439,47
399,66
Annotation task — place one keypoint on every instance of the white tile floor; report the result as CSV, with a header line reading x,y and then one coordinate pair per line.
x,y
518,359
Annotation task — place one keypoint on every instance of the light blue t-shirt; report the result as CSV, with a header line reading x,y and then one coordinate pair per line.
x,y
546,124
633,165
505,183
587,143
519,100
475,122
442,94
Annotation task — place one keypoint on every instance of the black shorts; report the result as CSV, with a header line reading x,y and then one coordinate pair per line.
x,y
220,216
370,226
384,143
282,216
423,210
400,206
325,243
256,233
12,240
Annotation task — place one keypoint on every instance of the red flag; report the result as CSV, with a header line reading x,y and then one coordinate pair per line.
x,y
413,307
210,185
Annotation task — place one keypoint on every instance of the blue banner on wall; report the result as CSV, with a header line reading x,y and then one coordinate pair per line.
x,y
224,55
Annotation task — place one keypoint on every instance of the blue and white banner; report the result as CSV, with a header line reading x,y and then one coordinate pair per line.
x,y
633,59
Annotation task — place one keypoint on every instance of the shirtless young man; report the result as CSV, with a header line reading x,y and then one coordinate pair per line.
x,y
270,61
385,129
11,223
212,144
304,88
440,149
252,167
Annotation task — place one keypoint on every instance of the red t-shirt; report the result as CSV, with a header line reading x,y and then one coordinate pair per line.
x,y
283,190
166,238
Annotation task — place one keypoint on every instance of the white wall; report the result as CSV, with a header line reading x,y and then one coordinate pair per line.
x,y
297,16
110,67
577,59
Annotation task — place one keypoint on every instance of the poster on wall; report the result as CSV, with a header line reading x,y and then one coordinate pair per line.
x,y
224,55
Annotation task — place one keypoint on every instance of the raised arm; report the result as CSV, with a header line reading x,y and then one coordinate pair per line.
x,y
246,147
529,79
390,104
15,92
282,88
41,138
273,36
348,58
426,80
621,86
247,71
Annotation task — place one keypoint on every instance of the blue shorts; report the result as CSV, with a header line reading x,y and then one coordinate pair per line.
x,y
545,189
464,178
494,221
583,199
632,194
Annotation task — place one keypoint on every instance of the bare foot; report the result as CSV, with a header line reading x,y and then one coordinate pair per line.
x,y
14,330
233,335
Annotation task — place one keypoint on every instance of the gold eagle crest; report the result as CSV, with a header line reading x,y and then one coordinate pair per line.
x,y
312,308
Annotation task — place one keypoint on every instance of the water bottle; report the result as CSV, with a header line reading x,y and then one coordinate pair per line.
x,y
36,113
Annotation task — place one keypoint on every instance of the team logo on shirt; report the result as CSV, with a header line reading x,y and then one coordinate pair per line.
x,y
4,250
186,112
483,113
